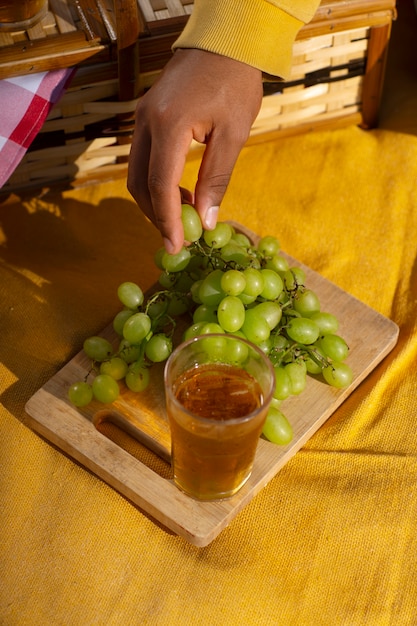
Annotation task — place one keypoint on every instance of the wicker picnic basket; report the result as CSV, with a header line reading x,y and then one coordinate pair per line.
x,y
118,48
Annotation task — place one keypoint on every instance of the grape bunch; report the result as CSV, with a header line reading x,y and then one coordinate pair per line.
x,y
220,282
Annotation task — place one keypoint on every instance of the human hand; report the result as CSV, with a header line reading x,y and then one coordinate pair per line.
x,y
202,96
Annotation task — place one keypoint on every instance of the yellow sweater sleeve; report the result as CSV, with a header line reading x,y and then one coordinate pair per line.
x,y
260,33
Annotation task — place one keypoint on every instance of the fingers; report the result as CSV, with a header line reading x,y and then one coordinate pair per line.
x,y
137,175
187,196
234,107
215,172
155,168
166,165
200,96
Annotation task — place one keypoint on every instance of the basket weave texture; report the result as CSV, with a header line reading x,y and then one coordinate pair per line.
x,y
337,77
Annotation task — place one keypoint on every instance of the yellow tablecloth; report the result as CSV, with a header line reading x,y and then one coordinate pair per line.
x,y
333,538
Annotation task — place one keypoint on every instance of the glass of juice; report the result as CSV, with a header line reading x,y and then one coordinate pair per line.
x,y
218,391
21,14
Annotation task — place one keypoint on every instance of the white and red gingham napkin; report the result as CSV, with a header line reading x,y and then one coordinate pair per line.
x,y
25,102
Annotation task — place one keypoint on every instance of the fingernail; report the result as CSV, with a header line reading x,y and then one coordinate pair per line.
x,y
210,217
168,245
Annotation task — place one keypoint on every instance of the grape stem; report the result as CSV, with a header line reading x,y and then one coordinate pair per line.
x,y
163,296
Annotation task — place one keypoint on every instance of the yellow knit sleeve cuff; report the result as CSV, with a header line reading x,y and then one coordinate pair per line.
x,y
256,32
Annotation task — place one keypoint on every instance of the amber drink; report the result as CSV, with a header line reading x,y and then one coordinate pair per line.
x,y
218,391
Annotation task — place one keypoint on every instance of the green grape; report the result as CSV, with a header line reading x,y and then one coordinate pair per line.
x,y
327,322
334,347
193,331
229,286
279,342
276,403
273,284
236,351
266,346
299,275
191,222
338,375
105,388
120,319
270,311
293,278
210,291
130,295
315,365
138,377
255,262
254,282
205,313
278,264
232,252
277,428
80,394
285,299
290,282
128,352
268,246
282,383
215,346
297,371
183,282
231,314
158,258
98,348
255,327
167,280
176,262
157,308
303,330
178,304
158,348
197,265
210,328
137,327
241,240
306,303
246,298
219,236
195,290
233,282
115,367
239,333
178,281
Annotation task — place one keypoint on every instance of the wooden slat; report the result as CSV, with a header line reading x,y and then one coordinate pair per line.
x,y
324,89
63,16
337,9
72,33
374,75
95,20
92,22
128,28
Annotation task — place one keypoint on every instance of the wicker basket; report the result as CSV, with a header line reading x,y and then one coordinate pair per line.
x,y
337,77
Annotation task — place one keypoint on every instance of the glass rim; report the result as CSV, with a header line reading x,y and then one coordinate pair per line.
x,y
207,420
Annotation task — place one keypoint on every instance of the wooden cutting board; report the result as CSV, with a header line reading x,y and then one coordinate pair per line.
x,y
81,433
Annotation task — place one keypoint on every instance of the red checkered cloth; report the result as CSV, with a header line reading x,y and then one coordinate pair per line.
x,y
25,104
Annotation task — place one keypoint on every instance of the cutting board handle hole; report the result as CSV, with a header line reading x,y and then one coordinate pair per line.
x,y
111,425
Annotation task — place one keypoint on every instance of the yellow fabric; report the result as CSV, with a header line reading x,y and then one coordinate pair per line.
x,y
332,539
260,33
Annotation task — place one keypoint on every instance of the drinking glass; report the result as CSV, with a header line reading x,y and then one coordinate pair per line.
x,y
218,391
